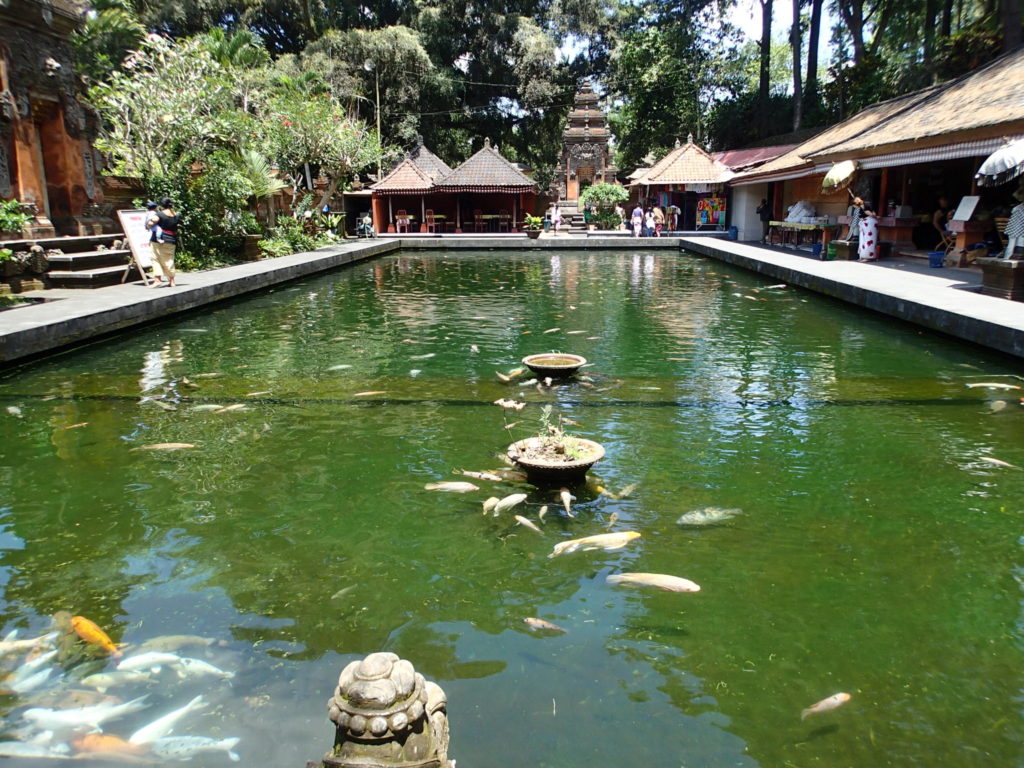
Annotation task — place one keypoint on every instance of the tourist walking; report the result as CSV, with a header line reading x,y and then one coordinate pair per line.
x,y
867,245
940,218
622,216
168,220
855,212
659,220
637,220
673,217
154,237
649,223
764,212
556,217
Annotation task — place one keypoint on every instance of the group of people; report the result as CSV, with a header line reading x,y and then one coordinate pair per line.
x,y
651,221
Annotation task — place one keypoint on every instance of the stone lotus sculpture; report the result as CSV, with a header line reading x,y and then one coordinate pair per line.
x,y
386,714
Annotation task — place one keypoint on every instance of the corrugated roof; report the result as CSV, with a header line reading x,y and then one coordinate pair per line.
x,y
742,159
407,176
486,169
989,96
686,164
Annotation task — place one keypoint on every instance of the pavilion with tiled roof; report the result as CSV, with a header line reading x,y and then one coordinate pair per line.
x,y
689,178
487,185
409,191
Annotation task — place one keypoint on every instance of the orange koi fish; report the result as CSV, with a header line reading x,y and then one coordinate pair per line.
x,y
92,634
106,743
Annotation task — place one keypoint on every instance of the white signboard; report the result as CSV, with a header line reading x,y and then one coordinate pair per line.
x,y
965,210
133,222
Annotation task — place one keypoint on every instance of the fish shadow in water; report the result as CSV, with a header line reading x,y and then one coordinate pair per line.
x,y
820,733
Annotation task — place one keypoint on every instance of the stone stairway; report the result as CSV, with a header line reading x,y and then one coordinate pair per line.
x,y
572,217
87,261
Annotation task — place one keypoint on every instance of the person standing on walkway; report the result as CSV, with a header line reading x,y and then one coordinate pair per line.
x,y
168,220
556,217
764,212
649,223
637,220
673,217
867,245
154,238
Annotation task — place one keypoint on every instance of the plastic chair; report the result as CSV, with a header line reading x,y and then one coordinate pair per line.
x,y
504,221
402,221
479,225
431,220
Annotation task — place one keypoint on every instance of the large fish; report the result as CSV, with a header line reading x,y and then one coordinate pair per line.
x,y
659,580
164,447
151,660
539,624
62,721
527,523
104,680
708,516
31,667
452,486
992,385
30,682
10,645
162,726
106,743
25,749
834,701
605,541
187,667
567,499
92,634
170,643
508,502
489,476
490,503
187,747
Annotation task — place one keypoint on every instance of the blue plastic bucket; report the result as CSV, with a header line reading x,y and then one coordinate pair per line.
x,y
935,258
816,250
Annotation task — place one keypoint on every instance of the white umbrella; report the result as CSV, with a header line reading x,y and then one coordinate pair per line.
x,y
839,176
1003,165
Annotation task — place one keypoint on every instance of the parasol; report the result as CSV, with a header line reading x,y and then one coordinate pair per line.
x,y
839,176
1003,165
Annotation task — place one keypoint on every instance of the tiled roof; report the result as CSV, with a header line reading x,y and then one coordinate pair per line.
x,y
487,169
406,177
686,164
428,162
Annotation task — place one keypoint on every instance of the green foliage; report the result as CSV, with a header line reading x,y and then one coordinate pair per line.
x,y
289,237
533,222
607,220
103,42
6,254
12,216
604,195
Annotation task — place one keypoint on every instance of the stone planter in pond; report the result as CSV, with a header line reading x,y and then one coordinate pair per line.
x,y
557,365
555,461
1003,278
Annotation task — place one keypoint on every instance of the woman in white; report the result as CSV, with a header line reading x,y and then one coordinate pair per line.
x,y
867,242
556,217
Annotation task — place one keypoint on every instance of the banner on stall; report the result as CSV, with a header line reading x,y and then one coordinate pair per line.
x,y
711,212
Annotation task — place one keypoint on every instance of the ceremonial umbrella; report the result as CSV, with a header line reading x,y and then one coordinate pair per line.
x,y
1003,165
839,176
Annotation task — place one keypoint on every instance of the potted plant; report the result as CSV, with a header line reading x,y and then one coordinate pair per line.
x,y
557,365
12,219
553,457
533,226
602,199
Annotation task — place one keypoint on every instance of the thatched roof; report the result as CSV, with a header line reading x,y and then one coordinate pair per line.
x,y
978,104
686,164
486,171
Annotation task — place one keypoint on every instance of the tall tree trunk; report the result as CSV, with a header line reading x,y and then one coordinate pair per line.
x,y
811,84
946,27
766,60
1010,16
931,15
798,88
852,14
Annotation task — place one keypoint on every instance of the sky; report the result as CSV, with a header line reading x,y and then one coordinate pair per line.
x,y
746,14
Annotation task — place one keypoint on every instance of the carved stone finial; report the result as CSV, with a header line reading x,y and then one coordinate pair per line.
x,y
387,714
689,138
677,143
487,142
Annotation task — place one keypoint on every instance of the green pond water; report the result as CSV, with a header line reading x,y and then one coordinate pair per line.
x,y
878,553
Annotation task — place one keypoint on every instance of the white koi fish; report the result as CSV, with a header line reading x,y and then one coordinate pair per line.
x,y
187,747
151,660
188,667
452,486
162,726
104,680
66,720
605,541
508,502
659,580
538,624
528,524
834,701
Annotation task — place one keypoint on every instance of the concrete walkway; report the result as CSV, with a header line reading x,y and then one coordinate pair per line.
x,y
943,300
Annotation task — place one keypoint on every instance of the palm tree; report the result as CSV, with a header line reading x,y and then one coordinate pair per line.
x,y
263,179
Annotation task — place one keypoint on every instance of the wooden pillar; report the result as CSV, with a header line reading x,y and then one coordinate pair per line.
x,y
883,194
423,213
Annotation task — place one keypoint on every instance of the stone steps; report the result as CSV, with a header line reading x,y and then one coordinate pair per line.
x,y
83,261
95,277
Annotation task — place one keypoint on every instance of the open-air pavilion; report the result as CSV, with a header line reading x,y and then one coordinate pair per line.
x,y
491,194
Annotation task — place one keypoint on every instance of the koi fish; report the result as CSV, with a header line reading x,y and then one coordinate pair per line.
x,y
508,502
527,523
10,645
104,680
503,377
625,492
194,667
552,330
371,392
490,503
834,701
508,404
474,349
151,660
998,462
164,447
490,476
708,516
106,743
537,624
234,407
92,634
186,747
543,511
162,726
64,720
605,541
992,385
659,580
206,407
451,487
566,498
